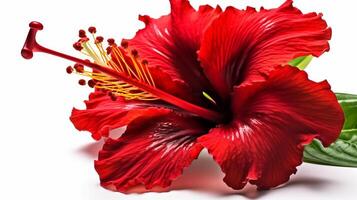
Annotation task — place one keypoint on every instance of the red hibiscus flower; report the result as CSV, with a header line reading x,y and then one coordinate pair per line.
x,y
205,79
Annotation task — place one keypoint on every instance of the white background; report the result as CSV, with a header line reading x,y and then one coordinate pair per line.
x,y
44,157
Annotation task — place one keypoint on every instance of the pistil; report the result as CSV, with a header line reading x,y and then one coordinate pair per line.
x,y
31,46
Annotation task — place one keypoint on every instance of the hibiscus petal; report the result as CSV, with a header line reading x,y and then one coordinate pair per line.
x,y
103,114
273,120
240,45
169,44
153,151
188,25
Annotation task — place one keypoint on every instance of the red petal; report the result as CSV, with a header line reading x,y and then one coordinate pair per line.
x,y
188,25
153,151
103,114
273,120
242,44
170,43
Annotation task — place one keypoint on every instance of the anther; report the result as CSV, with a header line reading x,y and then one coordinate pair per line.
x,y
82,33
109,50
98,39
124,43
144,62
91,83
84,39
92,30
77,46
112,96
69,70
111,41
82,82
134,52
87,61
79,68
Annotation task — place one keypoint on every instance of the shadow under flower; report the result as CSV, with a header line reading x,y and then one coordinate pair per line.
x,y
91,150
310,182
204,175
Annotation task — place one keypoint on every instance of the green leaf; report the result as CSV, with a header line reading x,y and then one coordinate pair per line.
x,y
348,103
301,62
343,152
